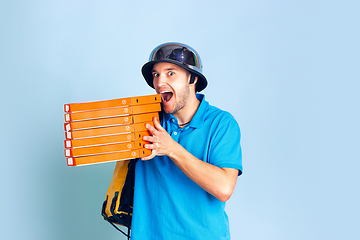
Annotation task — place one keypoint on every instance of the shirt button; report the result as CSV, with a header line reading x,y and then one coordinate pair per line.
x,y
173,120
175,133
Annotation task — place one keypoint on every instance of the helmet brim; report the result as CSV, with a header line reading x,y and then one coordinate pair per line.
x,y
146,71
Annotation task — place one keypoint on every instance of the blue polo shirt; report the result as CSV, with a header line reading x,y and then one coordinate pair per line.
x,y
168,204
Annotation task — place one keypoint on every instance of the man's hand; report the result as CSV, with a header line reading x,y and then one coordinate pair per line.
x,y
220,182
161,141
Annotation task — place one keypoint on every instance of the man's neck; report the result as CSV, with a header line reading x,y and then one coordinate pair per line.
x,y
185,114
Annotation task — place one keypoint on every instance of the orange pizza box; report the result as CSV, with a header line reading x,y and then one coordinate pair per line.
x,y
96,132
147,117
110,157
88,106
94,141
109,148
112,112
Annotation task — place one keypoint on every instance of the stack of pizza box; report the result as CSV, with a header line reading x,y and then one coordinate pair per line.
x,y
110,130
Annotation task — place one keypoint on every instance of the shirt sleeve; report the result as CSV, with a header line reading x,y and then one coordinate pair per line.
x,y
225,148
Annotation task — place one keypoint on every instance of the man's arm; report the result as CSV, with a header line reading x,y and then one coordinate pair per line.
x,y
220,182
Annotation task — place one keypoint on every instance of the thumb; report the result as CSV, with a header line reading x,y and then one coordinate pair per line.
x,y
157,124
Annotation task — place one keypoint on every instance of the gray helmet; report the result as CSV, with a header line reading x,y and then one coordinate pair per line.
x,y
179,54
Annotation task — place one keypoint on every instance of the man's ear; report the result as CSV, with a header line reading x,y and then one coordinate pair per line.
x,y
193,79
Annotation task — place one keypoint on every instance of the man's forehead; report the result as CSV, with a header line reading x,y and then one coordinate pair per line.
x,y
166,66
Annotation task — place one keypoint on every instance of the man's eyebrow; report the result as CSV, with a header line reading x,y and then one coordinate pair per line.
x,y
166,69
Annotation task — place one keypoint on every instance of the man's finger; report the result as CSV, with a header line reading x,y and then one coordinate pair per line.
x,y
149,146
151,129
153,154
158,125
150,139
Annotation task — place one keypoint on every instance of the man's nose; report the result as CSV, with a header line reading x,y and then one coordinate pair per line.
x,y
160,80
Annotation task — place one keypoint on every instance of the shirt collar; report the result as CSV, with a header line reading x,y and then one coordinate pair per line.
x,y
198,120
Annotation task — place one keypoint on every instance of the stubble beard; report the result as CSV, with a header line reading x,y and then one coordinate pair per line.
x,y
182,98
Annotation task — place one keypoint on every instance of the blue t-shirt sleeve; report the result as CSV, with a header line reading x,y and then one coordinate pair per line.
x,y
225,149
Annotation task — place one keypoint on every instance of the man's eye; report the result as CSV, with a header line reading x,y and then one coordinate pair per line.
x,y
155,74
171,73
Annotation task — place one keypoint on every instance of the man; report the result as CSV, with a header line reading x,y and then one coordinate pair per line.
x,y
182,187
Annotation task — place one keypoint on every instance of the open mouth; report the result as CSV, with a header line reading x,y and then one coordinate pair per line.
x,y
166,96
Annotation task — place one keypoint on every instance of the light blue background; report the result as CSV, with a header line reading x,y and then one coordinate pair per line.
x,y
287,70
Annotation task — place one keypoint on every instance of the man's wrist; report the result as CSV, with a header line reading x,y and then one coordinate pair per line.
x,y
174,150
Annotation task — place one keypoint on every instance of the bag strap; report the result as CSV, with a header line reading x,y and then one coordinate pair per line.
x,y
103,213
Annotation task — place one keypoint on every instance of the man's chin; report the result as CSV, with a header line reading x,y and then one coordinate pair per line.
x,y
168,110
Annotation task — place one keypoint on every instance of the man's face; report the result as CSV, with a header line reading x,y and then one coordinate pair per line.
x,y
172,82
